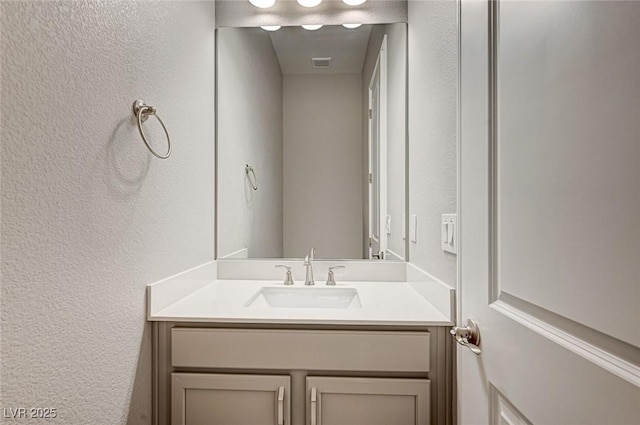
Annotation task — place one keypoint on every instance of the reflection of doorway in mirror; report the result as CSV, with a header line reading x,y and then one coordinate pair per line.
x,y
378,156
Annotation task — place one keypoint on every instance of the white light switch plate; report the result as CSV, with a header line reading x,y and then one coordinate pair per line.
x,y
449,226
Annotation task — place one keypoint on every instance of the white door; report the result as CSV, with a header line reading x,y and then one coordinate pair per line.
x,y
550,212
378,155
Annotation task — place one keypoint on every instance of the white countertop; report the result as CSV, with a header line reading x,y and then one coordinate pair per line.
x,y
382,303
196,297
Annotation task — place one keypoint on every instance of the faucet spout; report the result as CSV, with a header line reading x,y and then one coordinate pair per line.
x,y
308,281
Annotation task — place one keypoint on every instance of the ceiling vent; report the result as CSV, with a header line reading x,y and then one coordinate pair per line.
x,y
321,63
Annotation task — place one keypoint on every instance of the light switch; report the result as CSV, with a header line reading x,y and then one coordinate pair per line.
x,y
449,230
388,225
413,228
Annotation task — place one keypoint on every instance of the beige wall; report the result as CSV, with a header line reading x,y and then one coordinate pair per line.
x,y
89,217
249,131
323,165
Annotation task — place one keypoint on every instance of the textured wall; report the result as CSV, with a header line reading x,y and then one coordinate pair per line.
x,y
249,131
433,59
396,126
322,165
88,216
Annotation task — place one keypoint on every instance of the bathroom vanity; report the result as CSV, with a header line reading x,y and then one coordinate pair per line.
x,y
241,341
227,351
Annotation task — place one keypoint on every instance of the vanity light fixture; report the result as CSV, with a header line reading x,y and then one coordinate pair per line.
x,y
354,2
271,27
312,27
263,4
352,26
309,3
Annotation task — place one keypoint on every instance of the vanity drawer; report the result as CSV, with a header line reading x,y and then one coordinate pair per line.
x,y
300,350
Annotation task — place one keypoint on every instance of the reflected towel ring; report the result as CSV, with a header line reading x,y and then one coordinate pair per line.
x,y
142,111
254,182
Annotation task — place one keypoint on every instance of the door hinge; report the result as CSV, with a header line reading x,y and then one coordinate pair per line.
x,y
370,113
370,178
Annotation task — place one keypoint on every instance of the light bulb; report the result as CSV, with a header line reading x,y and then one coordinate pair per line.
x,y
352,26
354,2
271,27
312,27
309,3
262,4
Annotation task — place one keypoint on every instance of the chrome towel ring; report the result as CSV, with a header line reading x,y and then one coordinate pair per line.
x,y
252,181
142,111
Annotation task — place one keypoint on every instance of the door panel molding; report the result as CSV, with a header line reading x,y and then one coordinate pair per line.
x,y
502,411
612,354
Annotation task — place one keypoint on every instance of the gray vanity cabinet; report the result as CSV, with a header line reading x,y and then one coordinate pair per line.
x,y
214,375
212,399
367,401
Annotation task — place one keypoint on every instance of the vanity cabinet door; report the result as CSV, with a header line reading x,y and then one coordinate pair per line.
x,y
367,401
216,399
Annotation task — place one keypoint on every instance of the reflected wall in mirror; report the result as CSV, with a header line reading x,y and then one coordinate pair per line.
x,y
311,142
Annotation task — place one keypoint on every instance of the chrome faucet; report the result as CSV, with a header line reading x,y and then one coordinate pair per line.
x,y
308,281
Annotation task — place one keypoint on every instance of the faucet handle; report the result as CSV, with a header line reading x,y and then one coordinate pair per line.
x,y
331,279
288,280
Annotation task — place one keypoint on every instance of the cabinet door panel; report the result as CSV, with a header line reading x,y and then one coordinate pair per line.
x,y
365,401
213,399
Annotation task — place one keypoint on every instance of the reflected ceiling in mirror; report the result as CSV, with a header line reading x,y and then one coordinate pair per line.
x,y
311,142
345,48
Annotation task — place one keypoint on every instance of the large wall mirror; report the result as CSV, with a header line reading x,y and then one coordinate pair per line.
x,y
311,142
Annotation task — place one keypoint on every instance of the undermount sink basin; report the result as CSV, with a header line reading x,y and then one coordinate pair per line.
x,y
287,297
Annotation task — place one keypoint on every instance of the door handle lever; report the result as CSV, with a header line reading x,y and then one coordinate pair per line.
x,y
468,336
